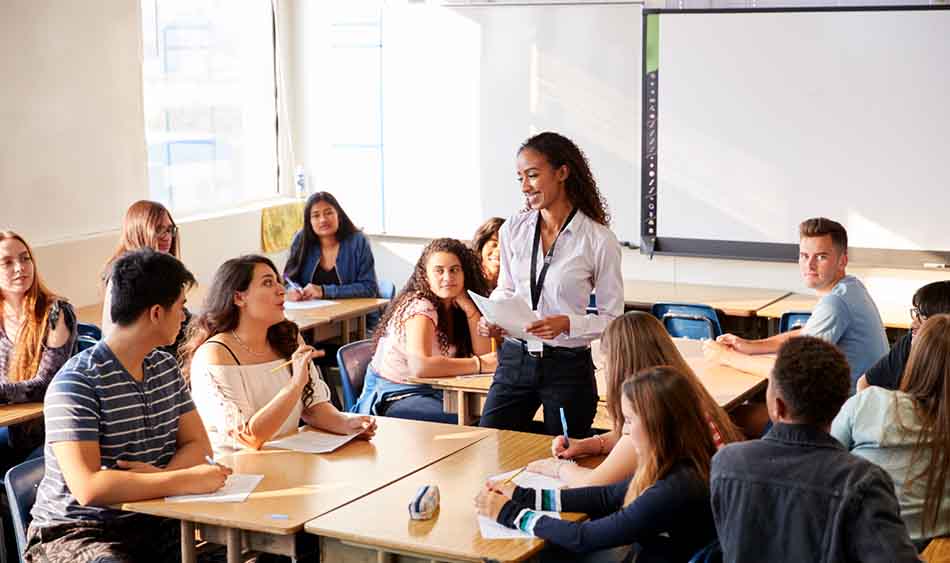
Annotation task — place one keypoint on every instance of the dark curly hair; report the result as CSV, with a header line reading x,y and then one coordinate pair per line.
x,y
581,187
813,378
220,314
418,288
308,238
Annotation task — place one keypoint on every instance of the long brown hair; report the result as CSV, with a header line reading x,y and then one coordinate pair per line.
x,y
637,340
28,349
139,229
417,287
580,185
927,380
665,401
220,314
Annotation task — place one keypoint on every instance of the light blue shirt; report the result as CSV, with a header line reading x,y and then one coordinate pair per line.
x,y
848,318
881,426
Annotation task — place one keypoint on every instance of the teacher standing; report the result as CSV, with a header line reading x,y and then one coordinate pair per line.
x,y
553,255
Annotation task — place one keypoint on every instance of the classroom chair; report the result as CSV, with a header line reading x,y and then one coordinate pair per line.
x,y
712,553
688,320
791,320
352,359
387,289
21,483
89,335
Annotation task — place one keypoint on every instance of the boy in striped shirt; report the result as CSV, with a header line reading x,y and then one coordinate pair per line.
x,y
121,427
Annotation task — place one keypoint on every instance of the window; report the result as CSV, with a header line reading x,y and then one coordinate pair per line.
x,y
210,104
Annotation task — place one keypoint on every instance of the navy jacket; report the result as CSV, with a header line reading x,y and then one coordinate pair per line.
x,y
799,495
354,265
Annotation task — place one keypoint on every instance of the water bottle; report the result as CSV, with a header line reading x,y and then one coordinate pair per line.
x,y
300,181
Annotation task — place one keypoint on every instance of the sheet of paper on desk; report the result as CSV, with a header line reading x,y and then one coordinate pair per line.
x,y
492,530
512,314
235,489
308,304
311,441
529,480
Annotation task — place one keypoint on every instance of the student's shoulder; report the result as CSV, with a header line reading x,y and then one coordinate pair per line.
x,y
214,352
84,371
518,222
735,455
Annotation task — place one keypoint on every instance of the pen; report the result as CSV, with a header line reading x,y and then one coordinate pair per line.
x,y
567,442
292,284
213,462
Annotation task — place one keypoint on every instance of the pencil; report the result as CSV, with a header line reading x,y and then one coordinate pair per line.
x,y
283,365
515,474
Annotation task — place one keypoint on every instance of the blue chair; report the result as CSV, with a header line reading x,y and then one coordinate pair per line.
x,y
712,553
352,360
793,319
87,337
687,320
21,484
387,289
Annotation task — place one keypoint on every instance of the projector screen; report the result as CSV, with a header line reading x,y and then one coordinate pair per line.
x,y
755,120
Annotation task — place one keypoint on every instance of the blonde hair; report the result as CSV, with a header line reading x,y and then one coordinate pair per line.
x,y
28,348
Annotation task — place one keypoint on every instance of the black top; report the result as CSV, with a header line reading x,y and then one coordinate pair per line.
x,y
888,370
669,521
325,277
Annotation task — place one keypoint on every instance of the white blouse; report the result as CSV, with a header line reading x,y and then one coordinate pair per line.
x,y
586,259
228,396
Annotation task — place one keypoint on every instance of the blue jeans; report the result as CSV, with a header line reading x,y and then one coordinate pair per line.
x,y
382,397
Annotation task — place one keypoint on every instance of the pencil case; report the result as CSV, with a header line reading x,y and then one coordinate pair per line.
x,y
424,503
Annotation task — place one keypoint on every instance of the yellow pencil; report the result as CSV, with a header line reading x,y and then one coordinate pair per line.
x,y
281,366
492,344
515,474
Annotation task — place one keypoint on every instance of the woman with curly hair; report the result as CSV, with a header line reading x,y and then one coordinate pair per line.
x,y
553,255
429,330
234,358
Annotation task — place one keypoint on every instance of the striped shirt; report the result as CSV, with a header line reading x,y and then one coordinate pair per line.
x,y
94,398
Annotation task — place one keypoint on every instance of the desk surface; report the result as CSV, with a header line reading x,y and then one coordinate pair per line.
x,y
893,314
304,486
381,520
733,301
19,412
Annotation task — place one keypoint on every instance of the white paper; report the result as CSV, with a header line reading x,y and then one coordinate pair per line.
x,y
312,441
236,489
511,314
308,304
529,480
492,530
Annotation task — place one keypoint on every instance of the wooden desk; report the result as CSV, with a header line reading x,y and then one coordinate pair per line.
x,y
378,525
465,395
303,486
733,301
19,412
893,314
333,320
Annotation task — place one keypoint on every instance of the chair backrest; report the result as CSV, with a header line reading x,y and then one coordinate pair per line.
x,y
688,320
387,289
87,336
21,483
712,553
791,320
352,359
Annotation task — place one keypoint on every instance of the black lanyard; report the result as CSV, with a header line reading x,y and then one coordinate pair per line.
x,y
537,280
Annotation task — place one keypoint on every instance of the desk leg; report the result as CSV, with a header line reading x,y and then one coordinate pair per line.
x,y
361,327
463,411
188,542
383,557
234,545
345,325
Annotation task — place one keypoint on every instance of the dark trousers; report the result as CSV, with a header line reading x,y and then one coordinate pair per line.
x,y
137,539
561,377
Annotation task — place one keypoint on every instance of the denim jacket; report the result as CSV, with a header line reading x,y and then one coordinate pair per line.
x,y
354,265
798,495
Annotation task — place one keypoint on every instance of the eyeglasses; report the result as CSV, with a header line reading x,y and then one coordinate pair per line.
x,y
916,315
171,231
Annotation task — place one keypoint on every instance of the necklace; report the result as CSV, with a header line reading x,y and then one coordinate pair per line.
x,y
245,346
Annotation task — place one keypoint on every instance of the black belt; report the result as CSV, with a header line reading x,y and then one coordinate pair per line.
x,y
549,350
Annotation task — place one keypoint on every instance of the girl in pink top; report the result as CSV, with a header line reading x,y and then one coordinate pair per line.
x,y
429,330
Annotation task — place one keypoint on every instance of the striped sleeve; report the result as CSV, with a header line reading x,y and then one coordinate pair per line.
x,y
71,409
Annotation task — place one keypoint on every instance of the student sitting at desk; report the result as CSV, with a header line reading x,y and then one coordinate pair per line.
x,y
36,338
329,257
907,432
630,343
845,315
121,427
797,494
147,224
238,349
931,299
485,245
429,330
663,510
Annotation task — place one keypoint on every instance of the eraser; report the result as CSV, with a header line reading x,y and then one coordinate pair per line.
x,y
424,503
279,516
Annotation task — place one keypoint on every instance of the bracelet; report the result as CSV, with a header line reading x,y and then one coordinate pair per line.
x,y
478,361
603,444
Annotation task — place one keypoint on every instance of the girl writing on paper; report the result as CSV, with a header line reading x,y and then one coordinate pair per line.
x,y
235,356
